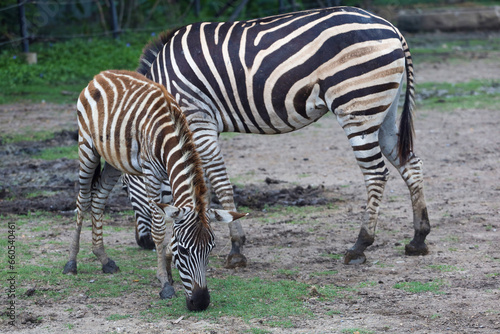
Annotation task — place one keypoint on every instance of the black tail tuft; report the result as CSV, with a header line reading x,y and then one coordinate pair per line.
x,y
406,131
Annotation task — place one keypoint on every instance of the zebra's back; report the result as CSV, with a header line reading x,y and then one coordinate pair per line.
x,y
280,73
116,110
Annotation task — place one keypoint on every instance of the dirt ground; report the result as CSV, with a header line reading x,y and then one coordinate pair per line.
x,y
314,166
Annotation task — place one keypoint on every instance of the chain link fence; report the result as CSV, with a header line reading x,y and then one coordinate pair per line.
x,y
23,22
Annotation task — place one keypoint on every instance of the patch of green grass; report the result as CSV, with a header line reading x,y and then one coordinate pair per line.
x,y
65,68
366,284
444,268
451,238
244,298
324,273
38,93
329,292
357,331
445,96
27,134
54,153
258,331
333,312
419,287
433,49
115,317
229,135
41,193
298,214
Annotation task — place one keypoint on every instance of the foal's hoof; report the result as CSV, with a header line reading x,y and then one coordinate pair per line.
x,y
414,249
235,260
167,292
70,268
110,267
354,257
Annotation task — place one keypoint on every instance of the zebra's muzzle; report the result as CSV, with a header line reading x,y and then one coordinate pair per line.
x,y
199,300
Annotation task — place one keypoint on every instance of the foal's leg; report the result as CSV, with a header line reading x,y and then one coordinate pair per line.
x,y
158,232
90,168
103,186
412,174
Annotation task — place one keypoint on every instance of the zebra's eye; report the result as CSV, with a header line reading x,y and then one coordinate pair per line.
x,y
183,250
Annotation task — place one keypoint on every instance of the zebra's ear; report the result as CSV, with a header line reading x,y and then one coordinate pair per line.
x,y
167,211
224,216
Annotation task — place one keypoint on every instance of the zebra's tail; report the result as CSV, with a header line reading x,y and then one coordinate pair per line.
x,y
406,130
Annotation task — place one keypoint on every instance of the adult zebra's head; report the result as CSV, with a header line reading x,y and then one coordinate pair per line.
x,y
191,244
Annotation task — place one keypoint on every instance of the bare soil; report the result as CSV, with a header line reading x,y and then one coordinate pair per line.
x,y
314,166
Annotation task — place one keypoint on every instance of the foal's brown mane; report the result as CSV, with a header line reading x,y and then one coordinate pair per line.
x,y
200,188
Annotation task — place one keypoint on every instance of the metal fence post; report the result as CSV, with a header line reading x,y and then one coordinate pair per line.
x,y
22,24
114,20
197,8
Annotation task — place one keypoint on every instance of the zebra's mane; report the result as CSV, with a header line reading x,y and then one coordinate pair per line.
x,y
193,161
152,49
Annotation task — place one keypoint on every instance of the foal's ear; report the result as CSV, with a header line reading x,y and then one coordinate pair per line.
x,y
224,216
167,211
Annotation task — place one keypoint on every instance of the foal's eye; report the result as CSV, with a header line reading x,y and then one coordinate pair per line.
x,y
183,250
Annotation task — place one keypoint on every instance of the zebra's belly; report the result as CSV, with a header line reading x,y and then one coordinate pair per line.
x,y
294,113
119,153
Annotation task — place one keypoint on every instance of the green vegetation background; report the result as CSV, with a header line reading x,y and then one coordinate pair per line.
x,y
66,66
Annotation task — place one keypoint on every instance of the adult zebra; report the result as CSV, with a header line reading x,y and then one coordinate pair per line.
x,y
138,128
281,73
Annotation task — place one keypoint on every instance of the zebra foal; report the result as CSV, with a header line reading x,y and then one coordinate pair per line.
x,y
138,128
281,73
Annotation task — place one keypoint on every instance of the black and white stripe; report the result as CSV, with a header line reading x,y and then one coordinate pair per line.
x,y
278,74
137,128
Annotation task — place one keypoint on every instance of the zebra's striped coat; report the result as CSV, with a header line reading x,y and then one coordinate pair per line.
x,y
136,126
281,73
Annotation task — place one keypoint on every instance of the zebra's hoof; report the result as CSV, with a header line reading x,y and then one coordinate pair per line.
x,y
354,257
167,292
415,249
145,242
70,268
110,267
236,260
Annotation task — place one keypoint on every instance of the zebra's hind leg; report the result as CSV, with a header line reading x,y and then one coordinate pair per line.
x,y
90,168
102,188
136,193
369,158
412,174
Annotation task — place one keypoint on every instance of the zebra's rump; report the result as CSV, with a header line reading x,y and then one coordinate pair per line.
x,y
115,110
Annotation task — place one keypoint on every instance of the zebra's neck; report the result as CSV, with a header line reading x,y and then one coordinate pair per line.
x,y
183,164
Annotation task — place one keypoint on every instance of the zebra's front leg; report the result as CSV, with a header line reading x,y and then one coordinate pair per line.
x,y
164,257
215,170
368,155
102,189
153,186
